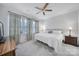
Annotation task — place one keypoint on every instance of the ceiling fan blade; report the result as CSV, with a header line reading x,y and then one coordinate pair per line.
x,y
38,12
48,10
43,13
38,8
45,6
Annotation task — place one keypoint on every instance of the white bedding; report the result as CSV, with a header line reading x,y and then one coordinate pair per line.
x,y
52,39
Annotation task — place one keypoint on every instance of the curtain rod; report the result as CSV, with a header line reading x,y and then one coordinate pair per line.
x,y
22,15
17,14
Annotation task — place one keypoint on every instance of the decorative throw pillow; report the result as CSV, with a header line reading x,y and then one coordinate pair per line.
x,y
50,32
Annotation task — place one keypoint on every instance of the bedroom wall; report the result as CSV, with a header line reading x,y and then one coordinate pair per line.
x,y
64,22
4,19
78,28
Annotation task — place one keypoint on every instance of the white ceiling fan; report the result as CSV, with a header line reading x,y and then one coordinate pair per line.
x,y
44,9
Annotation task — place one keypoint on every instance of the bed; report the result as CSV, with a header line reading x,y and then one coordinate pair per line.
x,y
53,40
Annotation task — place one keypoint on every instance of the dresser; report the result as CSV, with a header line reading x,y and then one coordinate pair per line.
x,y
70,40
7,48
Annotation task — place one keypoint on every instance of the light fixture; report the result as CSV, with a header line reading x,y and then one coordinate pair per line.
x,y
70,29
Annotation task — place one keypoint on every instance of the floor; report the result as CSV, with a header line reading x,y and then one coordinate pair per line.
x,y
35,48
23,38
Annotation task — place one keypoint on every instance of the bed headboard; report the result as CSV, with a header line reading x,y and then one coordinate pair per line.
x,y
48,30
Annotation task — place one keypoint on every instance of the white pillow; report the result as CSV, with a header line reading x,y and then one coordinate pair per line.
x,y
57,32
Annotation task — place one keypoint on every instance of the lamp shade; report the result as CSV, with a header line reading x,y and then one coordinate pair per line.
x,y
70,28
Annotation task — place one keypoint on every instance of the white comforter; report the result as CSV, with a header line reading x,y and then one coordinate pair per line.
x,y
53,40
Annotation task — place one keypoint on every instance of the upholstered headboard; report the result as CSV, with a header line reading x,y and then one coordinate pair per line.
x,y
52,30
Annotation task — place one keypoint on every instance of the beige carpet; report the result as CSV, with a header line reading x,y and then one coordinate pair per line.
x,y
34,48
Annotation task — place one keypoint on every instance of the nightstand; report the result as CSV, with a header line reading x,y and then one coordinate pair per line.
x,y
70,40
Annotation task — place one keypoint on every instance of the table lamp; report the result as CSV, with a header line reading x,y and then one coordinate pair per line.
x,y
70,29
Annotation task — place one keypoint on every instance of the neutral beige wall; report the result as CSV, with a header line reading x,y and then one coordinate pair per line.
x,y
64,22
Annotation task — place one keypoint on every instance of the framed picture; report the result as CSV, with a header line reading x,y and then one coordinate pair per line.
x,y
1,29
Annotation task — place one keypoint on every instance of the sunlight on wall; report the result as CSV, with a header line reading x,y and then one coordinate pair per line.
x,y
42,28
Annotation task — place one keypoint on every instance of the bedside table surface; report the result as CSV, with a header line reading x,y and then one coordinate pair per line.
x,y
71,36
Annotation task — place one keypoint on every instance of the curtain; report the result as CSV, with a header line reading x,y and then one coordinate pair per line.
x,y
12,22
32,26
37,26
17,29
14,26
24,27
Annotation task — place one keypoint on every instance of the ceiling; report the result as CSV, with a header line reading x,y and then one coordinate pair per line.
x,y
58,8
